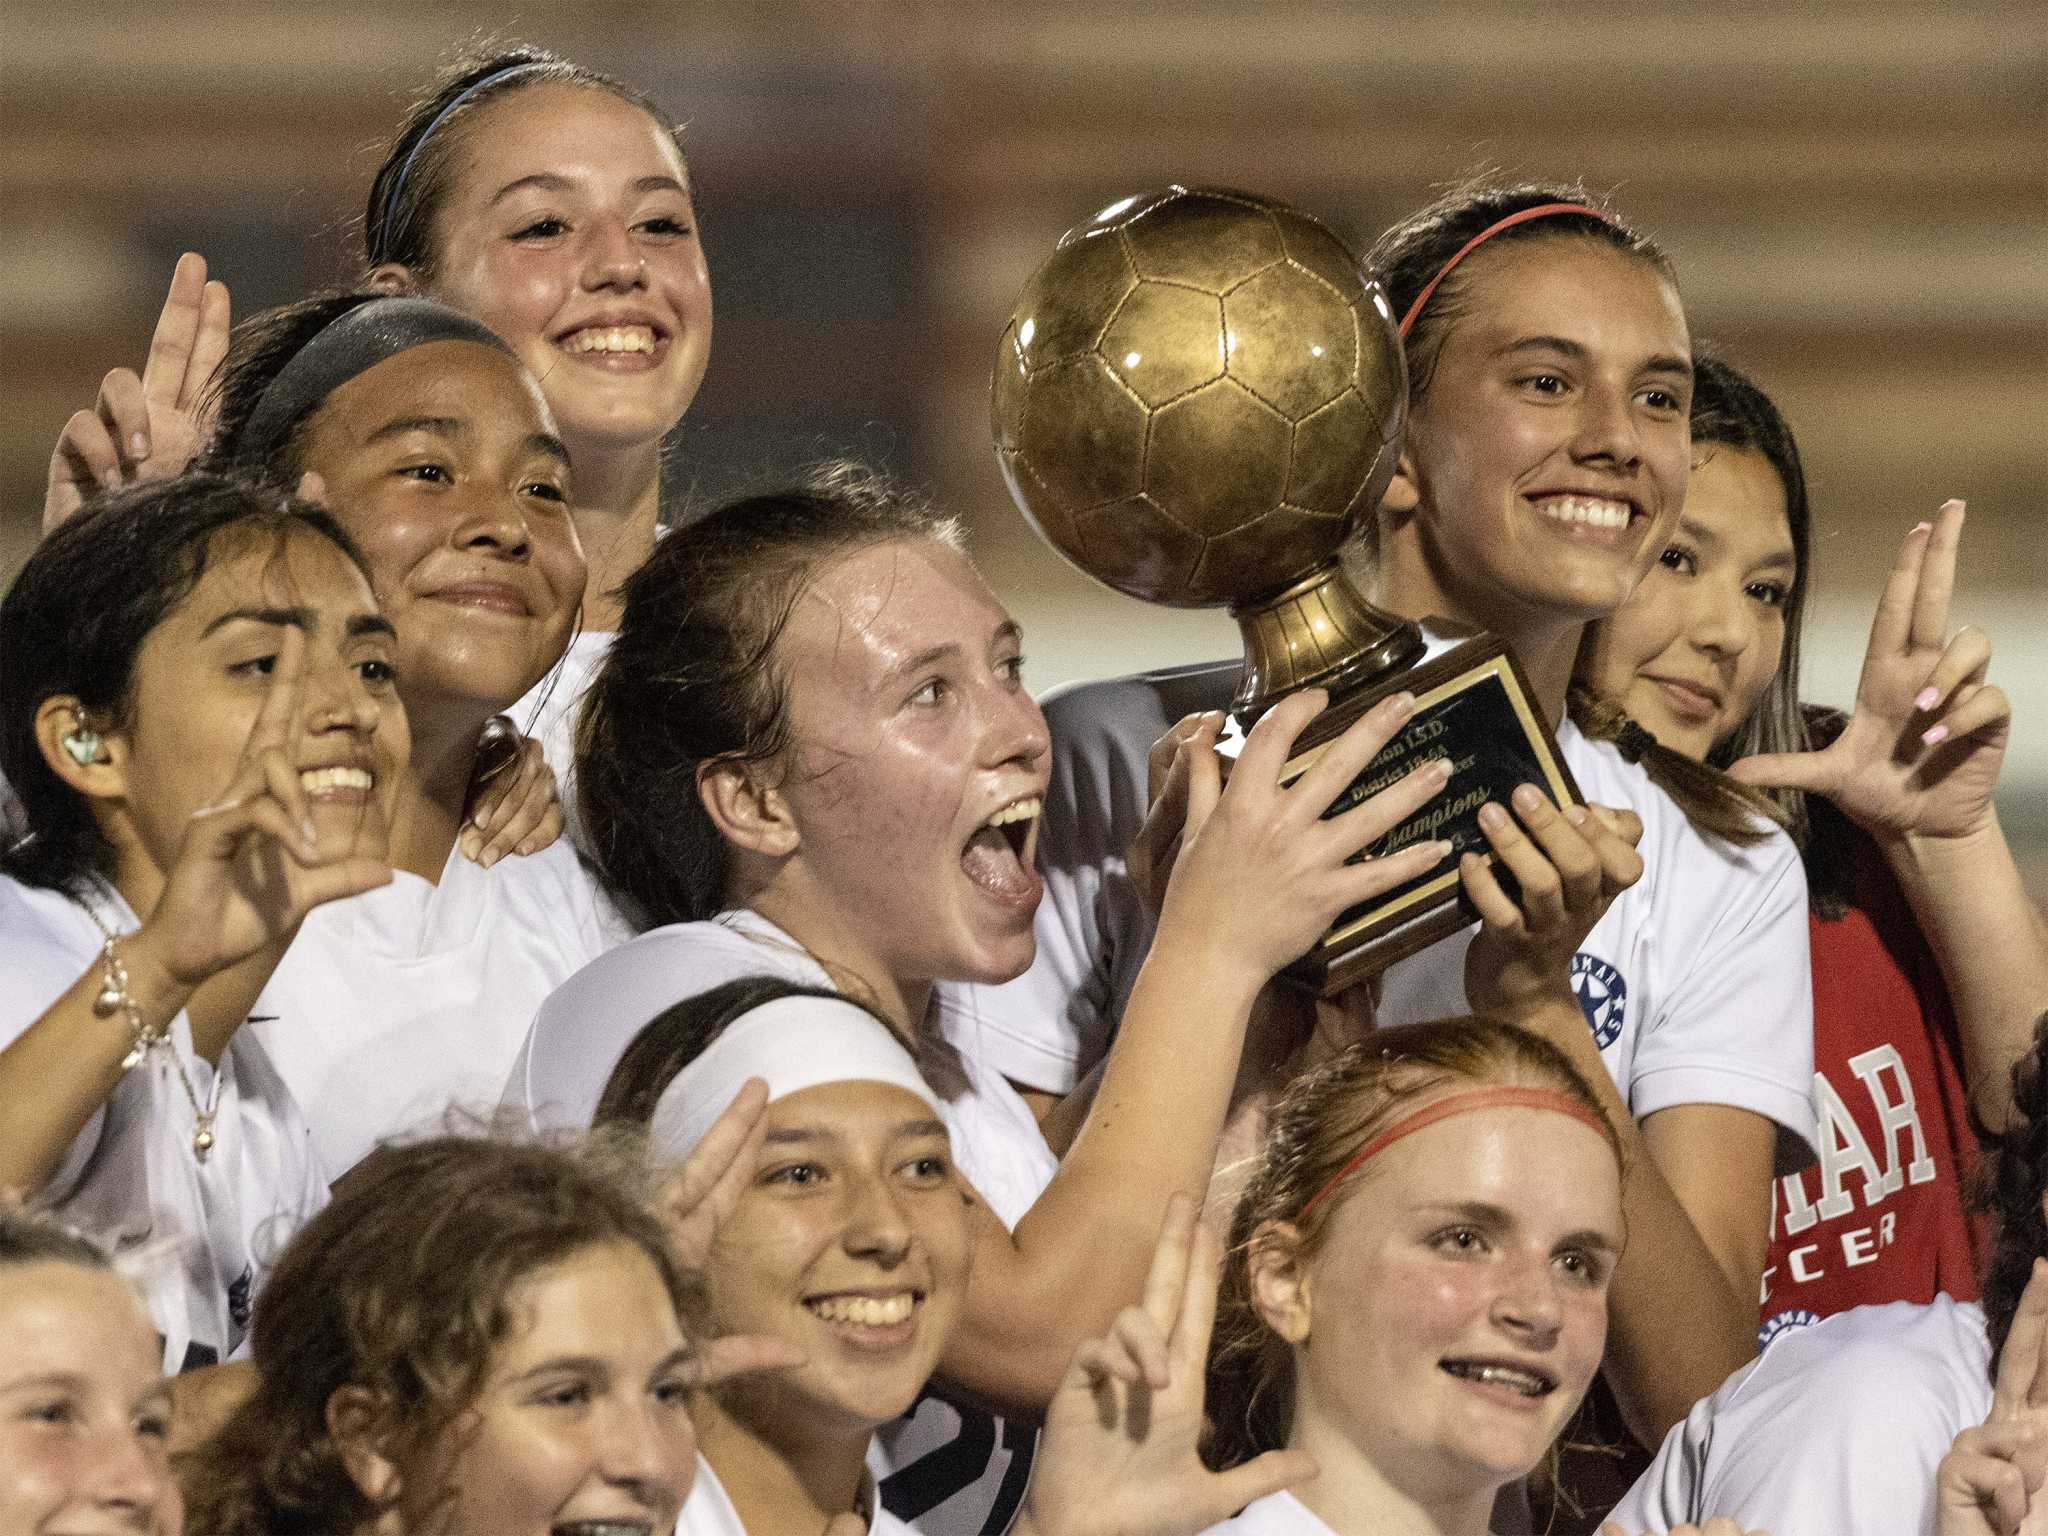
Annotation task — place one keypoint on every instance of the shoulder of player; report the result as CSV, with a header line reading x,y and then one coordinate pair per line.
x,y
1893,1356
1099,712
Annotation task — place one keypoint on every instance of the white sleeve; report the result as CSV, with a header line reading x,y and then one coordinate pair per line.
x,y
1734,1023
1836,1429
38,970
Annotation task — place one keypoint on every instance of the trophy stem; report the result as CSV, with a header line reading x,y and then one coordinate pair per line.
x,y
1319,633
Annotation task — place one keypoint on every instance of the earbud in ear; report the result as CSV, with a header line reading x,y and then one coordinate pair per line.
x,y
84,747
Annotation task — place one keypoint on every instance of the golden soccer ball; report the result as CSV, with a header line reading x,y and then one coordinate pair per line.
x,y
1199,397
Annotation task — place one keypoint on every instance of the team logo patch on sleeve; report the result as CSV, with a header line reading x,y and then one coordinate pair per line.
x,y
1603,996
1784,1322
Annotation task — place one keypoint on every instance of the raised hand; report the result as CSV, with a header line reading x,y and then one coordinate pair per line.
x,y
698,1197
1923,748
1118,1456
1570,865
253,864
515,806
1150,859
1990,1482
143,428
1260,873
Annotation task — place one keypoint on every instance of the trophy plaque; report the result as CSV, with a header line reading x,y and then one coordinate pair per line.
x,y
1198,401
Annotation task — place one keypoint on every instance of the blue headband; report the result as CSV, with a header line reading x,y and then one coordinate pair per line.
x,y
405,170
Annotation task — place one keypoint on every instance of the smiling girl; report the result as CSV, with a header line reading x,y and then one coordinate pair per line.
x,y
1544,466
475,1339
85,1411
850,1241
438,454
1928,960
199,712
1416,1291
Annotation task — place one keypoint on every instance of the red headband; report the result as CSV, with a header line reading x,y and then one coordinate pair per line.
x,y
1459,1104
1541,211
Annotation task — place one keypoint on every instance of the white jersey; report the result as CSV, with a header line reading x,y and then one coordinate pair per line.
x,y
1695,982
1836,1427
198,1237
402,1004
1277,1514
548,711
943,1468
708,1511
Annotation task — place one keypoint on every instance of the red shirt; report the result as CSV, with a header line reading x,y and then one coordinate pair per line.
x,y
1882,1217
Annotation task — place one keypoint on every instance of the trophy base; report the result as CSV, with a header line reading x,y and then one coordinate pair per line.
x,y
1473,706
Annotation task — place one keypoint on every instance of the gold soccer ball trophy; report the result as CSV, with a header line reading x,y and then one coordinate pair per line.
x,y
1197,401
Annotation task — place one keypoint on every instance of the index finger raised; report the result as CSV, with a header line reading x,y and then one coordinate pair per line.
x,y
177,332
279,716
1938,577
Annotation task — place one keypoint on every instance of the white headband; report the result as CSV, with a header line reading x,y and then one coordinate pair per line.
x,y
792,1043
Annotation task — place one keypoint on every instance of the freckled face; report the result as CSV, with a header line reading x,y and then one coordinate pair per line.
x,y
569,230
912,729
852,1243
1692,654
1549,453
583,1417
84,1408
1482,1244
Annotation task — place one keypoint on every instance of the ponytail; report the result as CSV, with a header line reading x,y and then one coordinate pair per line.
x,y
1714,803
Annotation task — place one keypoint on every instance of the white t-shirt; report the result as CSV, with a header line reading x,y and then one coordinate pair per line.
x,y
1837,1427
709,1512
1695,982
548,711
198,1236
396,1005
943,1468
1277,1514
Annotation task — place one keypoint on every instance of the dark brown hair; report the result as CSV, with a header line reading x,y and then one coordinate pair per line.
x,y
691,676
411,185
2011,1183
404,1286
1323,1118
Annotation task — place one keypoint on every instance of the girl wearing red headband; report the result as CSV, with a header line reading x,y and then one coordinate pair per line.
x,y
1416,1289
1544,466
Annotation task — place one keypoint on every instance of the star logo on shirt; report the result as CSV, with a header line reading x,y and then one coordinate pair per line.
x,y
1603,996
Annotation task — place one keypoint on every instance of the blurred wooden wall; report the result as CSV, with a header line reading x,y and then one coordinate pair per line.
x,y
1854,193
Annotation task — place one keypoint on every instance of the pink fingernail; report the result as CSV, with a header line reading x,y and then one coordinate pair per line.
x,y
1921,527
139,445
1934,735
1926,697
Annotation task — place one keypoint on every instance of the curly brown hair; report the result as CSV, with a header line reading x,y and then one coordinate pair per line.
x,y
402,1285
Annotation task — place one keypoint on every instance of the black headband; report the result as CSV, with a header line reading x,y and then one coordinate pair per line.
x,y
357,342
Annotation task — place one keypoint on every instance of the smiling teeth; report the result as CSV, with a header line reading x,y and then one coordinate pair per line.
x,y
868,1311
1023,810
1524,1382
316,780
616,338
1593,512
602,1528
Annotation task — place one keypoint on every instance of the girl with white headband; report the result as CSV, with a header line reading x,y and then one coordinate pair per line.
x,y
810,753
849,1241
